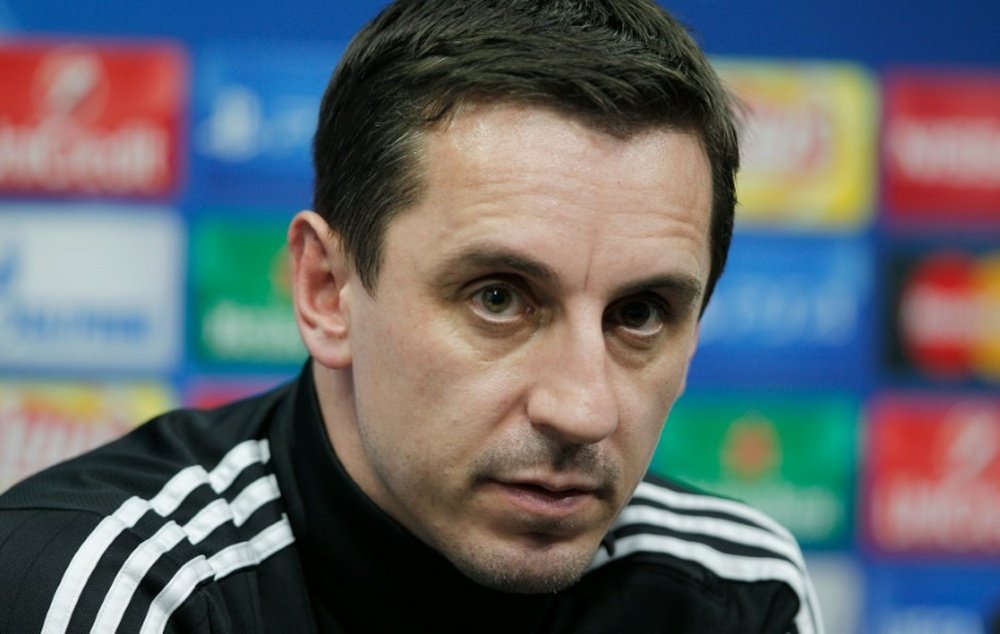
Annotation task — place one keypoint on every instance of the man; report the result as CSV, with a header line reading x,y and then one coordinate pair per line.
x,y
521,209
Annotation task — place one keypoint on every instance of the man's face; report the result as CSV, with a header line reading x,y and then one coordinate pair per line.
x,y
532,324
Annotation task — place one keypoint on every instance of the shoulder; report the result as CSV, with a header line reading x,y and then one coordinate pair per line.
x,y
721,546
35,546
122,537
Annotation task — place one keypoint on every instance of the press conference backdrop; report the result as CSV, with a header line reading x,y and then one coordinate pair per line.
x,y
151,155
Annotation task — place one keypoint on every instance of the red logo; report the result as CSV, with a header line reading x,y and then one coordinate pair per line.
x,y
90,119
934,475
941,153
751,449
948,316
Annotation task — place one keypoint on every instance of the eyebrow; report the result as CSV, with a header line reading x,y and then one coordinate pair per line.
x,y
686,288
491,257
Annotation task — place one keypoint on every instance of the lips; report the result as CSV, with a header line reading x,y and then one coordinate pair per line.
x,y
550,492
554,487
551,499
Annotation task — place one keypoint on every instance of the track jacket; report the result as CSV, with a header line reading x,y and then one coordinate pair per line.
x,y
242,520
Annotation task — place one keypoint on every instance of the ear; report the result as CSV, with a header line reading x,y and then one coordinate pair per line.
x,y
320,272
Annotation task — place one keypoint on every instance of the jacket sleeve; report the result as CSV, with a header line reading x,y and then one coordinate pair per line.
x,y
43,588
36,546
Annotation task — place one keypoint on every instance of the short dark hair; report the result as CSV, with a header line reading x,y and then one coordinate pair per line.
x,y
622,66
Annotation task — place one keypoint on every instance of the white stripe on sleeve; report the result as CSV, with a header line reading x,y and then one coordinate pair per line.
x,y
737,567
165,502
117,599
730,531
693,501
240,555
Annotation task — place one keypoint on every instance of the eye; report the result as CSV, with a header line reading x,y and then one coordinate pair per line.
x,y
497,302
496,299
641,317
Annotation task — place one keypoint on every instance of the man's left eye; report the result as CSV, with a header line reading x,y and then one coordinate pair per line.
x,y
641,316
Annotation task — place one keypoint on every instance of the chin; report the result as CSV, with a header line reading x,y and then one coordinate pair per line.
x,y
528,570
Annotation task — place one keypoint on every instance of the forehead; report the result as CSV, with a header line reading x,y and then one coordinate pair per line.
x,y
485,130
526,176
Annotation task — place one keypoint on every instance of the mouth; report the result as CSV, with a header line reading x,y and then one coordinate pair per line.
x,y
551,500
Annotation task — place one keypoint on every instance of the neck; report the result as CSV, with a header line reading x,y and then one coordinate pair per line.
x,y
358,558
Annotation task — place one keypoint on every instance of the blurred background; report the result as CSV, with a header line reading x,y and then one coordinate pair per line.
x,y
151,155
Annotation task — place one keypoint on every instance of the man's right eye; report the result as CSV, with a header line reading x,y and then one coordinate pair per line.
x,y
496,299
498,303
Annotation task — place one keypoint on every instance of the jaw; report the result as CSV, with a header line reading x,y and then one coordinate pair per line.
x,y
528,564
506,549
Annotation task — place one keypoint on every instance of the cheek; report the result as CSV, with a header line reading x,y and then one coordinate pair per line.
x,y
421,375
645,406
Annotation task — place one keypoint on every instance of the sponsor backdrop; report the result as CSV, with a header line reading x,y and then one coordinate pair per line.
x,y
849,377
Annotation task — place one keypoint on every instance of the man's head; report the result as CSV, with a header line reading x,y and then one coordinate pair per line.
x,y
619,66
522,207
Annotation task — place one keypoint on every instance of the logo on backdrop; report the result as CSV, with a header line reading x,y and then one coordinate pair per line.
x,y
935,476
931,598
809,145
947,316
243,313
941,154
75,288
78,119
792,309
239,130
43,423
254,116
792,457
751,449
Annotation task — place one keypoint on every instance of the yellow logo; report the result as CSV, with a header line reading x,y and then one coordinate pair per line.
x,y
809,144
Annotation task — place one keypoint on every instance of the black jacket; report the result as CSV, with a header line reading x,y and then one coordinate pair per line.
x,y
242,520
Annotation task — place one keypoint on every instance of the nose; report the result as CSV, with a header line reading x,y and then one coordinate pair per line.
x,y
573,398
